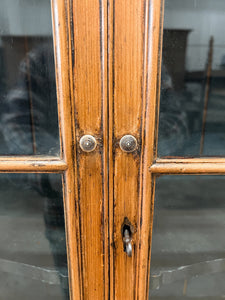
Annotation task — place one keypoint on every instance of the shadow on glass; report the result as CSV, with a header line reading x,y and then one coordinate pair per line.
x,y
188,256
28,102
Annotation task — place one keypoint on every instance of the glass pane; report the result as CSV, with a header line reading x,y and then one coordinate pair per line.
x,y
192,108
33,261
188,245
28,103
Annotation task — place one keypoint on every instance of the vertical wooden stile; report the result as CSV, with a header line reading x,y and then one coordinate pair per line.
x,y
126,50
154,10
62,47
81,52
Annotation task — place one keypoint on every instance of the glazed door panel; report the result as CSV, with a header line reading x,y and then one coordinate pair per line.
x,y
33,252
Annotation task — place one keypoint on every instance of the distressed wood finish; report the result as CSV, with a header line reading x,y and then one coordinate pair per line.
x,y
108,65
81,52
63,60
126,29
194,160
108,62
192,166
89,67
152,79
32,164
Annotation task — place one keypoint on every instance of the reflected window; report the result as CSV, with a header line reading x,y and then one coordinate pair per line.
x,y
28,102
187,256
33,259
192,108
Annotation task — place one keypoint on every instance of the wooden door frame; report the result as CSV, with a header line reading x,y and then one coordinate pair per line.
x,y
117,276
87,228
120,277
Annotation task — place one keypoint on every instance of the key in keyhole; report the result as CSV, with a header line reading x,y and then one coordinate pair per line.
x,y
127,242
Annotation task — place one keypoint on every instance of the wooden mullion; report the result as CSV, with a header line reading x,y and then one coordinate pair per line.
x,y
64,82
110,144
32,164
15,158
189,166
126,111
192,160
154,11
80,31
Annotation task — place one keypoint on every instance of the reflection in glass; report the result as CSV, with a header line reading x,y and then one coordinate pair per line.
x,y
33,261
192,108
28,103
188,242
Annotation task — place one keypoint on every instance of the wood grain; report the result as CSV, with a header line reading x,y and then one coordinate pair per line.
x,y
80,30
126,32
152,79
32,164
108,62
63,60
89,68
190,160
191,167
108,65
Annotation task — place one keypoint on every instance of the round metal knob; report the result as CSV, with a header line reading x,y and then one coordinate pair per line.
x,y
128,143
88,143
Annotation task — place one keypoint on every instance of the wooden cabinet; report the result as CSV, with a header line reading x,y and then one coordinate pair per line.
x,y
108,74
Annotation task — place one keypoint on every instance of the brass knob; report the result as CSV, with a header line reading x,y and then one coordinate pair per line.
x,y
88,143
128,143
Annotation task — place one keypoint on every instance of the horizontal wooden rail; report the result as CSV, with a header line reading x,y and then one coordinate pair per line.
x,y
31,164
189,166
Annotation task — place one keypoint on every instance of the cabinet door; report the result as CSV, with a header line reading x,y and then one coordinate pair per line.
x,y
139,98
108,58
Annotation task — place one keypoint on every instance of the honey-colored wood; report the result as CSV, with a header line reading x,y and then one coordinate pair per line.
x,y
194,160
81,52
89,36
189,166
63,60
32,164
126,37
110,146
152,78
108,62
108,66
107,104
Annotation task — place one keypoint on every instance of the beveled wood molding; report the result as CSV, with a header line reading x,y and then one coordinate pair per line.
x,y
80,30
61,15
126,102
32,164
154,13
188,166
191,160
